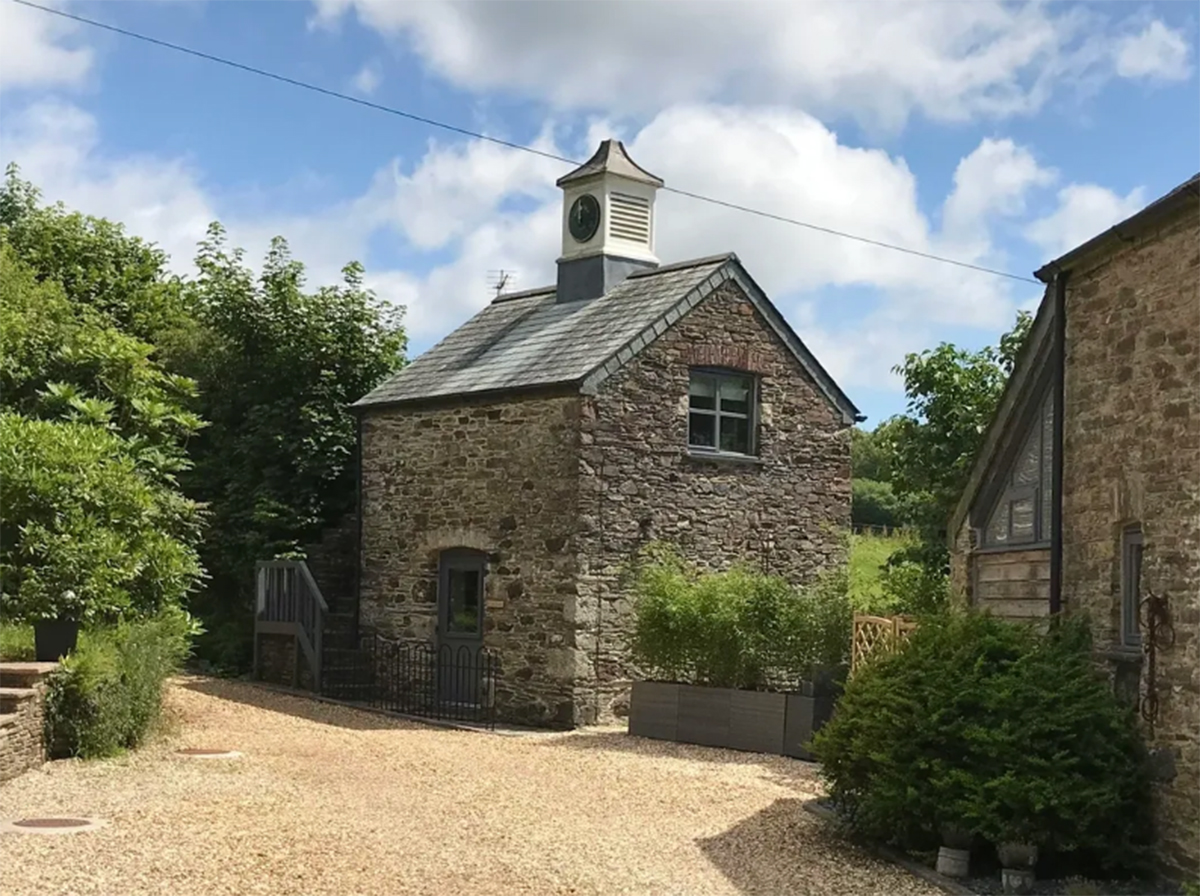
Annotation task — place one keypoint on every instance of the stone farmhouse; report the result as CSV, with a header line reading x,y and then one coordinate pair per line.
x,y
1097,508
511,472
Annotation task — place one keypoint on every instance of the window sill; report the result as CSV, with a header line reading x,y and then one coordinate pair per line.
x,y
1013,548
725,457
1121,653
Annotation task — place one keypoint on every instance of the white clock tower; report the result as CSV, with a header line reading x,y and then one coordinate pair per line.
x,y
608,223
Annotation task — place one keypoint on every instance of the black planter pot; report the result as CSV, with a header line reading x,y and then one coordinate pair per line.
x,y
53,639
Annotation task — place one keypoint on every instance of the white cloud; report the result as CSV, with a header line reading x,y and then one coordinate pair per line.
x,y
995,178
368,79
57,146
1157,52
876,62
1084,210
36,49
462,210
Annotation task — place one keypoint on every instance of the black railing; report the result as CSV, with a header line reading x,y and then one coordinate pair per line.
x,y
451,683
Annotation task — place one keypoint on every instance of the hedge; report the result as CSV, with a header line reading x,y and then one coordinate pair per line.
x,y
107,694
987,726
740,628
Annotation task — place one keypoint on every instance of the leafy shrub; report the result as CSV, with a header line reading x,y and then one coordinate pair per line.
x,y
987,725
874,503
16,642
93,526
914,589
84,534
107,695
738,628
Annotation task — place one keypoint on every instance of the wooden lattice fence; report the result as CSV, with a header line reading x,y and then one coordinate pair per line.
x,y
874,635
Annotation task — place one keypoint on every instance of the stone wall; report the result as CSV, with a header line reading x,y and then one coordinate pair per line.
x,y
499,477
961,559
785,509
1132,455
22,725
277,659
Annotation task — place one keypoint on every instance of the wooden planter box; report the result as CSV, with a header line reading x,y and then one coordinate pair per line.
x,y
755,721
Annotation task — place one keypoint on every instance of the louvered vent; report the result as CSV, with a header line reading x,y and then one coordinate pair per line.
x,y
629,218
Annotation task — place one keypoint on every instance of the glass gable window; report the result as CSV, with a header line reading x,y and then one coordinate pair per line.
x,y
721,410
1021,514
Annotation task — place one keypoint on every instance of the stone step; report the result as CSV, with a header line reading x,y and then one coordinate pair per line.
x,y
12,698
24,675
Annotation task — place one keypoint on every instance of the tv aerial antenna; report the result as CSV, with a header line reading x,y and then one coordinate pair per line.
x,y
500,280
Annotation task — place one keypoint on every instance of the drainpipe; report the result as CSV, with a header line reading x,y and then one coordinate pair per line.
x,y
1056,468
358,522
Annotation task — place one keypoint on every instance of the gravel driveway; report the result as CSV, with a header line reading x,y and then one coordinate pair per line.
x,y
332,800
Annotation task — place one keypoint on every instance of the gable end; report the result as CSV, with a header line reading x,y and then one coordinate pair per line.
x,y
731,270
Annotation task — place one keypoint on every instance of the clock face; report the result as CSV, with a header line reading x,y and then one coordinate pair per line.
x,y
584,218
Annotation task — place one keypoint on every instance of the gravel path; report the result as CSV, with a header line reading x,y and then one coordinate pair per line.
x,y
331,800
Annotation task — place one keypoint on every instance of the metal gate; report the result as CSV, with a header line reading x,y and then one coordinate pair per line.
x,y
415,678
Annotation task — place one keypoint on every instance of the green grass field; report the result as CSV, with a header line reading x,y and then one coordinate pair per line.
x,y
16,642
868,554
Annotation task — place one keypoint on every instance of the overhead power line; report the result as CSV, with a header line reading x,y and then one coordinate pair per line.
x,y
466,132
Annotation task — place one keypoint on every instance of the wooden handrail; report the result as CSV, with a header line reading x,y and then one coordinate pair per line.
x,y
288,599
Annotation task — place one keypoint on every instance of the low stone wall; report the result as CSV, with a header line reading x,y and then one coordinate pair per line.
x,y
22,719
276,658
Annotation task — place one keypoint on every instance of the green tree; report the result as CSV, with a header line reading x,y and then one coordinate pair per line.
x,y
277,367
952,397
92,523
871,451
98,265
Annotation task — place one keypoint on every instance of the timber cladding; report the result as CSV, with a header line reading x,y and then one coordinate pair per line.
x,y
1013,584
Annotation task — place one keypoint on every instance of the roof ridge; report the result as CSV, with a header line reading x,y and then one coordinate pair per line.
x,y
650,272
524,294
684,265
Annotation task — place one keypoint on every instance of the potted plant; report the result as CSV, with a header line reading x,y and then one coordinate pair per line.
x,y
954,856
56,625
1017,860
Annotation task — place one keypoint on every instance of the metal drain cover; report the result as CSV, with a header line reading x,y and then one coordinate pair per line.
x,y
200,753
52,825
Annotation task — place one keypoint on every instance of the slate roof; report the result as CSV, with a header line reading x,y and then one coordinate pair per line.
x,y
1182,197
528,340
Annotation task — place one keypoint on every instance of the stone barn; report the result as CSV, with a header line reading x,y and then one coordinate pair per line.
x,y
1096,508
511,472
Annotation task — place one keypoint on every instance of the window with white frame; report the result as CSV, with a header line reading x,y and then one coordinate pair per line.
x,y
1131,586
722,408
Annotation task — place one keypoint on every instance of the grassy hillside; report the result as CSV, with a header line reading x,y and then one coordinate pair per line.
x,y
868,554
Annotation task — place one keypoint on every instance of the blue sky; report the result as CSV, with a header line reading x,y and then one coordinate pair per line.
x,y
999,134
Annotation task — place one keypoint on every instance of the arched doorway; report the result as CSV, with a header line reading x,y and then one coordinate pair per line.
x,y
461,603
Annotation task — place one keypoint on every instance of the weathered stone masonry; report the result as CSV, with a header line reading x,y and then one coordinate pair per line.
x,y
562,490
784,509
22,717
1132,455
500,477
